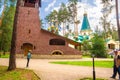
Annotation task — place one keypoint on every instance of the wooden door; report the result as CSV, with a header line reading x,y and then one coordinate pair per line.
x,y
27,47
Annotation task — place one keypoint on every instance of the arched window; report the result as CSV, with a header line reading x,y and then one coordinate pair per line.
x,y
57,42
27,44
57,52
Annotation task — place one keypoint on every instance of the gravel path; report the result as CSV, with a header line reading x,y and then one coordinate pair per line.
x,y
48,71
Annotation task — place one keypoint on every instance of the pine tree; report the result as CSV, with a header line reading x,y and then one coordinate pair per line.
x,y
98,46
6,27
12,58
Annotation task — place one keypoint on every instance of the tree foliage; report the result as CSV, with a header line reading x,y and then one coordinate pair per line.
x,y
63,17
6,28
63,14
98,46
86,47
104,20
7,25
72,8
56,18
52,17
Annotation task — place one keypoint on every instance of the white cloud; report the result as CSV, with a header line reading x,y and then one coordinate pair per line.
x,y
56,8
94,14
93,11
45,0
50,5
1,9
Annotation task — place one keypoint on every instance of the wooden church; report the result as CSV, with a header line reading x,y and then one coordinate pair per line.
x,y
30,35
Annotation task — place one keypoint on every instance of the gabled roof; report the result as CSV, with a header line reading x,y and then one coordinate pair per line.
x,y
65,38
85,23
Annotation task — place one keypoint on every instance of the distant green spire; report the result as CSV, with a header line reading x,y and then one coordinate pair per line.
x,y
85,23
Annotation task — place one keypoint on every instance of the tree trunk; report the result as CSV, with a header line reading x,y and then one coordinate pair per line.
x,y
12,58
117,19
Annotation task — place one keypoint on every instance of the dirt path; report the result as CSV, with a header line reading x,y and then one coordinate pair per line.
x,y
48,71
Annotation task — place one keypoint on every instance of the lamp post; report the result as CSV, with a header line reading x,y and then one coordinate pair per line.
x,y
117,19
94,78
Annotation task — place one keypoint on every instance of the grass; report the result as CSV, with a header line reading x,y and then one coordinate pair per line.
x,y
18,74
4,56
92,79
105,64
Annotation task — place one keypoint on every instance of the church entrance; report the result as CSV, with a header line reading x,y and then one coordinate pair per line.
x,y
26,47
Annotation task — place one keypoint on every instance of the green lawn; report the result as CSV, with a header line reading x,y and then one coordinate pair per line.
x,y
18,74
4,56
105,64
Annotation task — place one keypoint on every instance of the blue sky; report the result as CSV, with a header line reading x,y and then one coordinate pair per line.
x,y
1,6
49,5
92,7
1,9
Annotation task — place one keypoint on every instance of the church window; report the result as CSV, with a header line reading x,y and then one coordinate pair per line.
x,y
111,46
56,53
57,42
34,47
29,31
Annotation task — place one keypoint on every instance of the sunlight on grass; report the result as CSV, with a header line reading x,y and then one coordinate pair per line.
x,y
18,74
105,64
4,56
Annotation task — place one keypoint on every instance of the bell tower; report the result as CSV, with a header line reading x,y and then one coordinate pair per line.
x,y
27,26
31,3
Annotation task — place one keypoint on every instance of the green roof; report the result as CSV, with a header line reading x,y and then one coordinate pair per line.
x,y
85,23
